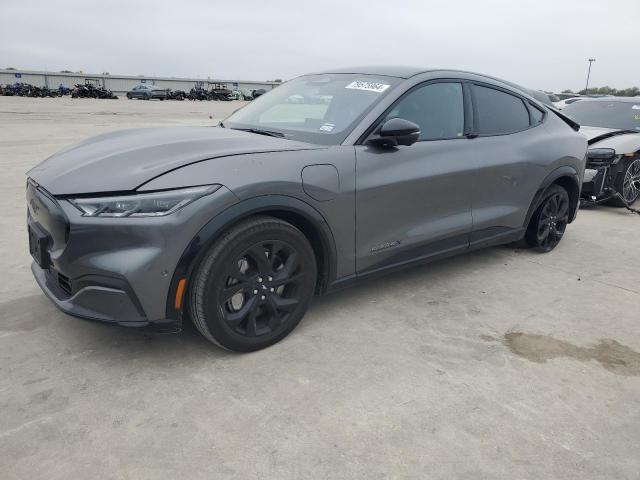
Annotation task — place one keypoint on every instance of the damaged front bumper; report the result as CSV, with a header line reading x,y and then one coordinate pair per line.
x,y
595,182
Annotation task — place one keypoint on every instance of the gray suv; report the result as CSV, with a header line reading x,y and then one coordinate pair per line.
x,y
237,226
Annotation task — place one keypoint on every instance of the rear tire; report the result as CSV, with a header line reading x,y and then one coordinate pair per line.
x,y
253,285
549,222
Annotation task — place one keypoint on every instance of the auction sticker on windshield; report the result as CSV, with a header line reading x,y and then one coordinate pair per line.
x,y
377,87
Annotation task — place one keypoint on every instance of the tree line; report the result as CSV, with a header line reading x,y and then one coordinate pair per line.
x,y
625,92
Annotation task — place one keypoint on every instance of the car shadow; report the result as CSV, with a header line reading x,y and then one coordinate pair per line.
x,y
36,315
428,274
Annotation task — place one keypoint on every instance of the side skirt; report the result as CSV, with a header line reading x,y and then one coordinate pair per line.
x,y
479,240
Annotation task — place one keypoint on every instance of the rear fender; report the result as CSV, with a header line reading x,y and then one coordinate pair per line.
x,y
567,174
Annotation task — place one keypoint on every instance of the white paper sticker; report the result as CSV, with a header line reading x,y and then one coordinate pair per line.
x,y
327,127
368,86
635,107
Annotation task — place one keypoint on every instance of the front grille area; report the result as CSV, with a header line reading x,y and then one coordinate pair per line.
x,y
64,283
45,210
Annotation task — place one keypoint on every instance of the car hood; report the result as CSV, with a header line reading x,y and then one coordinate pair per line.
x,y
124,160
622,141
593,132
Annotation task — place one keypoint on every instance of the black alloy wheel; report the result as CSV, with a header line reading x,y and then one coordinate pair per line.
x,y
549,222
254,285
262,288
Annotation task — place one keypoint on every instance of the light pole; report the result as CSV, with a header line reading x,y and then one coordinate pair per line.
x,y
586,89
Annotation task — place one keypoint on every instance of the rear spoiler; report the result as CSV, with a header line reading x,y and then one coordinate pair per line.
x,y
573,124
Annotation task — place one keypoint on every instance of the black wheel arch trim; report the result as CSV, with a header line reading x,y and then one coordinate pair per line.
x,y
564,172
257,205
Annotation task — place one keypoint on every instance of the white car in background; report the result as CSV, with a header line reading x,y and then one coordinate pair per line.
x,y
612,128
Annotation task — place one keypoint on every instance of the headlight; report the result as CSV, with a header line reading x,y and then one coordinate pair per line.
x,y
154,204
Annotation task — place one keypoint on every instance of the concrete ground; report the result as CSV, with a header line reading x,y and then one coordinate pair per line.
x,y
500,364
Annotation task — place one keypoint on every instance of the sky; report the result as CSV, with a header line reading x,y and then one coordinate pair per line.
x,y
542,44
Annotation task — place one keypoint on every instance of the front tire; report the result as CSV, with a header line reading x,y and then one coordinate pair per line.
x,y
627,184
254,285
549,222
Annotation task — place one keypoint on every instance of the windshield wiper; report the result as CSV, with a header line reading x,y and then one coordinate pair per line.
x,y
259,131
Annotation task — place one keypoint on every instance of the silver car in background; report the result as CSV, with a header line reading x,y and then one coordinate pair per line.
x,y
144,91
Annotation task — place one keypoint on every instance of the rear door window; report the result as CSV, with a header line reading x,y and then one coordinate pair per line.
x,y
498,112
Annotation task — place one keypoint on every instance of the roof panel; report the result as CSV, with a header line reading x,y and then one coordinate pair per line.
x,y
386,70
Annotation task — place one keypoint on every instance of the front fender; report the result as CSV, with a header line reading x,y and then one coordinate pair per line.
x,y
266,204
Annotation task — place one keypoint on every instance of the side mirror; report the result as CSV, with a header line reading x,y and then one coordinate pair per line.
x,y
396,131
601,154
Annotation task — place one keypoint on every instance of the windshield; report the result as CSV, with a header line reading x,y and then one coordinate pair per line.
x,y
613,114
321,109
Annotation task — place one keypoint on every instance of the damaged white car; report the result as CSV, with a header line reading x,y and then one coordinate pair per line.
x,y
612,126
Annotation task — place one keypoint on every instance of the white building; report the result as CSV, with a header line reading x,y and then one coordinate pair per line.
x,y
119,84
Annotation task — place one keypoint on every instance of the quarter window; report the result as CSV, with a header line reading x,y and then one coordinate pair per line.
x,y
438,108
499,113
536,115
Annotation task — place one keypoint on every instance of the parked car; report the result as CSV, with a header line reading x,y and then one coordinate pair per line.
x,y
612,125
566,95
238,226
240,94
563,103
147,92
27,90
92,90
176,94
542,97
198,93
223,94
258,92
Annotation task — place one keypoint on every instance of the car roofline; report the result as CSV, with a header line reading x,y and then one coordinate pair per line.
x,y
407,72
404,72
